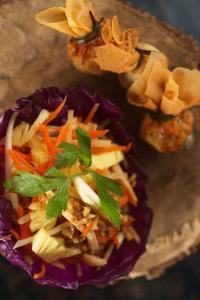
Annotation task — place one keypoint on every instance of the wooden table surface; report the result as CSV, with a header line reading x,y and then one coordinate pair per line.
x,y
181,282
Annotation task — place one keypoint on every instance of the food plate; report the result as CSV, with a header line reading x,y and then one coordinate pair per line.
x,y
34,56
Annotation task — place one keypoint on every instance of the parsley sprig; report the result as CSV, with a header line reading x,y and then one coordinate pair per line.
x,y
30,185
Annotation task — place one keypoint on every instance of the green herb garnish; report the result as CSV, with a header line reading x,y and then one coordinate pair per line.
x,y
71,153
160,117
108,203
30,185
91,35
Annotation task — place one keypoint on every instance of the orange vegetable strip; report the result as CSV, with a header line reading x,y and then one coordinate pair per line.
x,y
98,150
19,162
115,240
41,273
15,155
88,228
20,211
62,135
105,239
15,234
97,133
22,167
47,139
127,223
25,231
22,156
42,169
122,200
99,171
114,231
55,113
34,199
92,113
132,198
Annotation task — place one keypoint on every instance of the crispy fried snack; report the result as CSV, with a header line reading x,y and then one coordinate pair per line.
x,y
169,135
97,45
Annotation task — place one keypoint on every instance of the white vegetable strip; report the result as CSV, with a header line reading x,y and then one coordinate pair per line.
x,y
92,241
34,206
23,242
8,161
8,145
94,261
24,219
24,132
123,178
133,180
120,239
109,251
131,234
101,143
86,193
59,228
72,220
59,265
29,240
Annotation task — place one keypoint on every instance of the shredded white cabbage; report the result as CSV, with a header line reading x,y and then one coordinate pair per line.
x,y
8,145
24,132
86,193
8,161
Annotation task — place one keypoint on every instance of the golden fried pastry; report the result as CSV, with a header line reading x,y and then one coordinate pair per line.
x,y
95,45
168,135
157,88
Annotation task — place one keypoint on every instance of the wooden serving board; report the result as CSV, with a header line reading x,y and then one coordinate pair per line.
x,y
32,56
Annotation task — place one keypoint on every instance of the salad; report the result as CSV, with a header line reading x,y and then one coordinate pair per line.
x,y
72,205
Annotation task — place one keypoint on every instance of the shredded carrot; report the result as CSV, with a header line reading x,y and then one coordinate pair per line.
x,y
25,231
98,150
15,234
128,147
97,133
42,169
113,231
103,239
47,139
115,240
22,156
20,162
128,190
41,200
127,223
62,135
55,113
122,200
20,211
88,228
99,171
92,113
34,199
41,273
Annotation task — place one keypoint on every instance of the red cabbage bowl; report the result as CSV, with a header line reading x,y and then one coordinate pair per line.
x,y
122,260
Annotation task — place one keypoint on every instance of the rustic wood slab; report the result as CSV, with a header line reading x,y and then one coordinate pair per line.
x,y
32,56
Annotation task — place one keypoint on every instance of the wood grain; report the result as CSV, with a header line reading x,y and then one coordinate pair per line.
x,y
34,56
